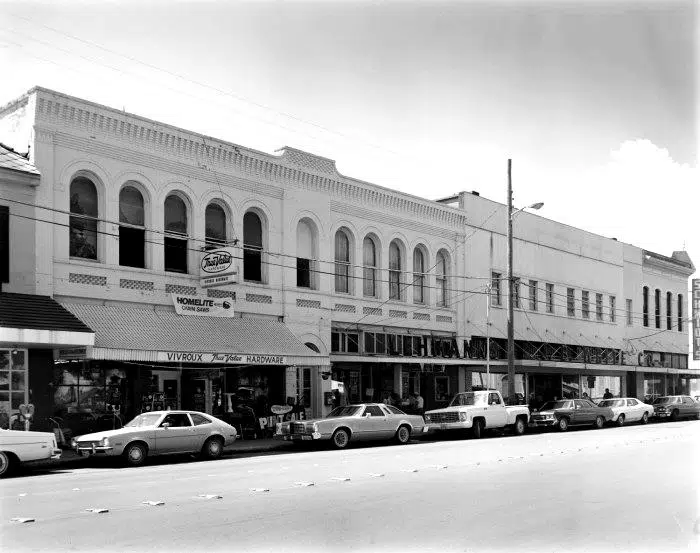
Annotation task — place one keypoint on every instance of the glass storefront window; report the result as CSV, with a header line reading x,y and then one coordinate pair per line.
x,y
499,382
597,387
571,386
13,383
87,389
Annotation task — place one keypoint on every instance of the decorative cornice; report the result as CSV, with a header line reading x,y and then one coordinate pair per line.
x,y
142,136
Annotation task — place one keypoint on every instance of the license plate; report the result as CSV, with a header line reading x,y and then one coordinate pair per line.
x,y
443,426
84,453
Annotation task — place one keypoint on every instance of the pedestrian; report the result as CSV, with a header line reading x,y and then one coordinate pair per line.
x,y
607,394
419,403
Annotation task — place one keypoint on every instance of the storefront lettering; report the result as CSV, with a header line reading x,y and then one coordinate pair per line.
x,y
222,358
217,261
185,357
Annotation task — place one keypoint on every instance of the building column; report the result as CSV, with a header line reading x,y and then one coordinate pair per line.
x,y
639,392
398,381
462,379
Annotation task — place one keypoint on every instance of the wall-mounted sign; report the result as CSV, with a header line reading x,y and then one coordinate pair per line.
x,y
68,354
218,267
696,319
223,358
203,307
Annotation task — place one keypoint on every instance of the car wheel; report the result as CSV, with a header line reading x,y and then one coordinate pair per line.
x,y
621,420
403,434
213,448
674,415
135,454
563,424
599,422
5,464
477,429
340,438
645,418
519,427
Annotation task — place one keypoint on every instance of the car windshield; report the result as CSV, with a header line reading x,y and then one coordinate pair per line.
x,y
468,398
550,405
612,403
347,411
662,400
148,419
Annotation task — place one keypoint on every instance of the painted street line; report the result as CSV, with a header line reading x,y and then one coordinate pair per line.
x,y
153,503
210,496
22,520
97,510
377,474
341,479
409,470
259,490
303,484
22,495
441,467
75,490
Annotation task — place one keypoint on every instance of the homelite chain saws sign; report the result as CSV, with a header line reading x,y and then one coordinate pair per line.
x,y
203,307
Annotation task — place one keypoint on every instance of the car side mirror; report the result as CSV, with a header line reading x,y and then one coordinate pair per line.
x,y
368,414
165,425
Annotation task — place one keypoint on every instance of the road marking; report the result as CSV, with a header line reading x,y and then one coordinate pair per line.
x,y
377,474
441,467
210,496
409,470
22,495
259,490
153,503
303,484
22,520
97,510
75,490
341,479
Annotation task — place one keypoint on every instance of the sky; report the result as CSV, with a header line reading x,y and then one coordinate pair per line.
x,y
596,102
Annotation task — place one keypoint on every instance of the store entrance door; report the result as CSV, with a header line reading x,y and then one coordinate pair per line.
x,y
194,395
545,387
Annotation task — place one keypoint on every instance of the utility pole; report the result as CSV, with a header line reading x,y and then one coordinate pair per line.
x,y
511,345
488,334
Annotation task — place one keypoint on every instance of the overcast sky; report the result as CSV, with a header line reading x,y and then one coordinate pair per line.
x,y
595,101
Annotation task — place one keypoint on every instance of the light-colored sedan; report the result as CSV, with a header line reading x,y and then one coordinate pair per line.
x,y
19,447
628,409
364,421
160,433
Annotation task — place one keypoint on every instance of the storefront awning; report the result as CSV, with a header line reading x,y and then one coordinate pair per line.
x,y
156,335
39,321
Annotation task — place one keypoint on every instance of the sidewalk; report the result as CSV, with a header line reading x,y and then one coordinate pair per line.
x,y
69,457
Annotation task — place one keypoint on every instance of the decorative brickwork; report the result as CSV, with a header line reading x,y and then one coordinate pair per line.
x,y
91,280
312,304
443,319
258,298
217,293
143,285
421,316
344,308
372,311
394,314
179,289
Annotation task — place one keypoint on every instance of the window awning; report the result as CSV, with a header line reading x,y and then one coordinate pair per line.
x,y
40,321
156,335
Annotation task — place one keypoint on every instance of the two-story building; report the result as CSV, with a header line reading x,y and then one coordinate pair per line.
x,y
340,284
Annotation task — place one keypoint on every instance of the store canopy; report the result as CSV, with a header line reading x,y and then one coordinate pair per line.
x,y
40,321
156,335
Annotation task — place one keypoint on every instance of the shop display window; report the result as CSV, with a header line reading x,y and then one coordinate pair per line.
x,y
595,387
497,381
91,389
442,388
571,386
13,383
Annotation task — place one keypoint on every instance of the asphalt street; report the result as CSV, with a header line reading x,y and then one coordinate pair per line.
x,y
617,489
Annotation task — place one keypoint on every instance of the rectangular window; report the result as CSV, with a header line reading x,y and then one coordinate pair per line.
x,y
380,343
533,295
516,292
657,308
645,305
613,309
549,298
4,244
345,342
680,313
175,254
599,307
629,312
252,263
570,302
370,343
342,277
369,282
303,273
585,304
131,247
496,289
669,310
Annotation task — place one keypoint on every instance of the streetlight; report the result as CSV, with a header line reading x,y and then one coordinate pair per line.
x,y
511,345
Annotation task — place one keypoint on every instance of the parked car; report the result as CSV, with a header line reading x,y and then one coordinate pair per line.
x,y
160,433
628,409
18,447
570,412
478,411
676,407
364,421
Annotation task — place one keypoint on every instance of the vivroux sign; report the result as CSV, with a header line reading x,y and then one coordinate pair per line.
x,y
218,267
224,358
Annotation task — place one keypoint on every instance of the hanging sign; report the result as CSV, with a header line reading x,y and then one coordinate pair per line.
x,y
696,319
203,307
218,267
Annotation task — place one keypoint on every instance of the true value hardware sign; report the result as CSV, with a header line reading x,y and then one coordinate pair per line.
x,y
696,318
225,358
203,307
218,267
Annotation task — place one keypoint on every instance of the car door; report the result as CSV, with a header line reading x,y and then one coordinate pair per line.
x,y
374,423
583,412
687,407
496,412
201,430
175,434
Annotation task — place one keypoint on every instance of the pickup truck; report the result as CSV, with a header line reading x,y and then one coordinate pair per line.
x,y
478,411
20,447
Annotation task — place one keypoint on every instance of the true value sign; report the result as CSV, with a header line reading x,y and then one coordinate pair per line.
x,y
218,267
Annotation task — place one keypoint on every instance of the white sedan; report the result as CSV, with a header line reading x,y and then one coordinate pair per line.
x,y
19,447
628,409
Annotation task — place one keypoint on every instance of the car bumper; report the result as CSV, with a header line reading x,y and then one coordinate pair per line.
x,y
85,451
301,437
440,426
542,423
661,415
56,455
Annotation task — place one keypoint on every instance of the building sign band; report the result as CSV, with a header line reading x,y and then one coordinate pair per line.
x,y
223,358
696,319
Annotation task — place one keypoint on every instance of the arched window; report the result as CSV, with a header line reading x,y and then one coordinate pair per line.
x,y
342,262
306,248
669,310
418,276
369,260
252,247
214,226
83,219
395,291
132,233
175,224
441,279
645,305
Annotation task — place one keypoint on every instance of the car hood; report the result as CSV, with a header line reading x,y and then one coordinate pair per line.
x,y
548,412
12,436
96,436
449,409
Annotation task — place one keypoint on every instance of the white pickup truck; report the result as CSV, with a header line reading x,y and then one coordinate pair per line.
x,y
20,447
478,411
